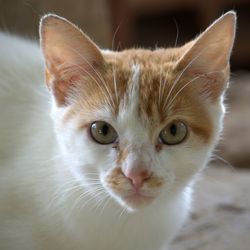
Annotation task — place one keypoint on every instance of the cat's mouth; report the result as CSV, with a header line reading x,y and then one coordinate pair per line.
x,y
138,200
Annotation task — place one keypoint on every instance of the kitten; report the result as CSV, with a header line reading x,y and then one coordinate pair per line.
x,y
114,168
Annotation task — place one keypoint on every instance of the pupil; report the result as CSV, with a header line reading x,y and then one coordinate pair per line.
x,y
105,130
173,129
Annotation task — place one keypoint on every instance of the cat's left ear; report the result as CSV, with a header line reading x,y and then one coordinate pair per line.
x,y
207,57
69,55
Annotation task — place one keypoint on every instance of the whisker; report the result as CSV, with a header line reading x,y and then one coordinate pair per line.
x,y
185,85
179,77
55,157
93,78
97,73
97,193
92,173
177,32
160,88
115,83
93,195
109,97
99,203
61,195
122,212
227,163
105,204
89,64
116,31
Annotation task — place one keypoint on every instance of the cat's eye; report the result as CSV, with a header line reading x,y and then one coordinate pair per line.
x,y
103,133
173,133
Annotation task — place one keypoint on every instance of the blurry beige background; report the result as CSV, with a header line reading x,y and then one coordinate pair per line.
x,y
221,217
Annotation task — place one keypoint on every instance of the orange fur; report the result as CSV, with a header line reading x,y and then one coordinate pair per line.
x,y
155,67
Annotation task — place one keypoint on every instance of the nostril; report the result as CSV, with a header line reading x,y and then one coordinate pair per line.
x,y
137,182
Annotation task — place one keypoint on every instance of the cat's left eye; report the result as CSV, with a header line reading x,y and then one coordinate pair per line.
x,y
103,133
174,133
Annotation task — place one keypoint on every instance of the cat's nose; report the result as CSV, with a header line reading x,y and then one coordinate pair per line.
x,y
138,177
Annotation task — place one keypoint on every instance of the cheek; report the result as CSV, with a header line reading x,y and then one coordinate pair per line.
x,y
82,155
184,162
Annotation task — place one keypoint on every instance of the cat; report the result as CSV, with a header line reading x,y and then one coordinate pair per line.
x,y
105,157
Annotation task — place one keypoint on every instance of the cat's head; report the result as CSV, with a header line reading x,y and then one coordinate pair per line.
x,y
138,124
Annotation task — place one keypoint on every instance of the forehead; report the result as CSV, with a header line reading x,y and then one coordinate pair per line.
x,y
140,84
134,76
150,73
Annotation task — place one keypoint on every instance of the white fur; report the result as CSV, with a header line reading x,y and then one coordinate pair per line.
x,y
42,172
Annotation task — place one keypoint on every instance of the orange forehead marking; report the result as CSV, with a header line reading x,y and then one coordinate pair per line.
x,y
156,77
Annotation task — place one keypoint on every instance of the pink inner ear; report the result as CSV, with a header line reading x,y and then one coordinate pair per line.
x,y
61,83
209,85
214,86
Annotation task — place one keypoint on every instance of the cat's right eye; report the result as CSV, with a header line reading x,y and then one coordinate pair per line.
x,y
103,133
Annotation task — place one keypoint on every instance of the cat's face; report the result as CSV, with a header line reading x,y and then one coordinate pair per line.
x,y
137,124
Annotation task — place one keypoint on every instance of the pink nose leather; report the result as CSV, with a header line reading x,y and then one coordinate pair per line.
x,y
137,177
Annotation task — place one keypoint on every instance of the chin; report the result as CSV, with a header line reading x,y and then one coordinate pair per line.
x,y
138,201
134,202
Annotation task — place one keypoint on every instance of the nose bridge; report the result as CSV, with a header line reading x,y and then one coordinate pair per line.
x,y
138,166
139,158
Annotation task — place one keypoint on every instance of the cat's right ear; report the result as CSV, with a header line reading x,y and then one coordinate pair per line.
x,y
69,56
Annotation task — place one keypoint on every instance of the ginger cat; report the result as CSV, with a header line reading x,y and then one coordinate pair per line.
x,y
105,157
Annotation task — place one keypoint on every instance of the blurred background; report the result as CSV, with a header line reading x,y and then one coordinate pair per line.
x,y
121,24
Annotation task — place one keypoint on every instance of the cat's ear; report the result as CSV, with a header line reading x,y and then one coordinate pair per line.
x,y
69,55
207,57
